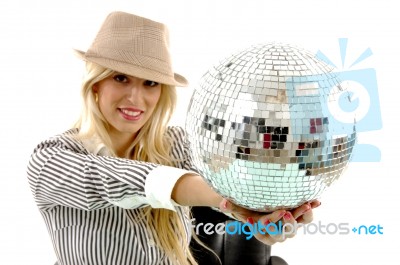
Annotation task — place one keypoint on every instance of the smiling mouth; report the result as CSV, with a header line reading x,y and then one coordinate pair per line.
x,y
130,114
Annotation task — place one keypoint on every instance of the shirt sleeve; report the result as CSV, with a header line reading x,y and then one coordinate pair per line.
x,y
158,188
182,150
185,152
60,174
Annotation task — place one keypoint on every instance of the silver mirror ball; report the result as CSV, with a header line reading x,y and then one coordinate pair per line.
x,y
261,128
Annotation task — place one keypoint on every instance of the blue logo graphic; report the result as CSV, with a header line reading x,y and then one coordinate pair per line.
x,y
362,101
348,101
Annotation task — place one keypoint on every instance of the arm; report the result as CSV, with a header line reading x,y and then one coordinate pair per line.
x,y
62,172
192,190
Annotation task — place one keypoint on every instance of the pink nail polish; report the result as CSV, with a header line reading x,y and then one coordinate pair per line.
x,y
287,216
250,220
225,205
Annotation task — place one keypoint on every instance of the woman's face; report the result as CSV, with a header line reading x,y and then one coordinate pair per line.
x,y
126,102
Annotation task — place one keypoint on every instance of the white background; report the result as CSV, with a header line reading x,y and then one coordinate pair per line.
x,y
39,97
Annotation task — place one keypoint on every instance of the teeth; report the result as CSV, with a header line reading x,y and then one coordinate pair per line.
x,y
130,113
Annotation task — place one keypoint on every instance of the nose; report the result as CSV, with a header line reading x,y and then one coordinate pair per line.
x,y
135,91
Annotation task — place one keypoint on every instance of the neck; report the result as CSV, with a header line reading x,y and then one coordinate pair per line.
x,y
121,142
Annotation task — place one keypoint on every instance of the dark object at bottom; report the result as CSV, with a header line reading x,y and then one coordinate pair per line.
x,y
231,249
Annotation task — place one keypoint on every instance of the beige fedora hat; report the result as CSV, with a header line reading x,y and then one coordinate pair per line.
x,y
135,46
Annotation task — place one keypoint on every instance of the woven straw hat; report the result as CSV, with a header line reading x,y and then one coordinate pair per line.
x,y
135,46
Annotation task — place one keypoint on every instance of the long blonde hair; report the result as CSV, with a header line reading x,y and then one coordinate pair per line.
x,y
164,225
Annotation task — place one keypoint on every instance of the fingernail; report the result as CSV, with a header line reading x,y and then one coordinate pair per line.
x,y
316,205
225,205
287,216
282,214
267,222
250,220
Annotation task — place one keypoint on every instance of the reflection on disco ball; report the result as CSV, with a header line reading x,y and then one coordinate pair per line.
x,y
260,128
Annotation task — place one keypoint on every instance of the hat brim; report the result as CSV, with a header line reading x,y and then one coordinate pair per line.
x,y
134,70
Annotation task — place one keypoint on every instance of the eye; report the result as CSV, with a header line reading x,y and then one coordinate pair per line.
x,y
120,78
150,83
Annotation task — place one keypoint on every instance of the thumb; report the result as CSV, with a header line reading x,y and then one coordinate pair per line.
x,y
236,211
225,206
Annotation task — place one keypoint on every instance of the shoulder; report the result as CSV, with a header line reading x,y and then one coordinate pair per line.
x,y
179,145
66,140
176,133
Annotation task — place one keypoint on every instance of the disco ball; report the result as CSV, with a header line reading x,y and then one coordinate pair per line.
x,y
261,130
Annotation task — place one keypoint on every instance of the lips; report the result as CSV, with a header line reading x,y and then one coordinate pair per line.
x,y
130,114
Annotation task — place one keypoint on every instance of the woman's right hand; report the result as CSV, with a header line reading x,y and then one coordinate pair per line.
x,y
288,219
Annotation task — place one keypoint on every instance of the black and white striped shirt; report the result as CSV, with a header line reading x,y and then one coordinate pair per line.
x,y
90,202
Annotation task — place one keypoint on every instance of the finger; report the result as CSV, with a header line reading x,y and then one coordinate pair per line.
x,y
315,203
300,210
240,213
273,233
270,234
223,205
306,218
275,216
289,226
271,226
271,218
227,207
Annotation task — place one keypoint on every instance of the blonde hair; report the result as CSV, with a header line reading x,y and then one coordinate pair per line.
x,y
164,225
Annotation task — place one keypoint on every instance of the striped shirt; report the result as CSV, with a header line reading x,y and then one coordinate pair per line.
x,y
90,201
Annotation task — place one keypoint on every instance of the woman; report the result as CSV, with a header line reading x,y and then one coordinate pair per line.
x,y
115,189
